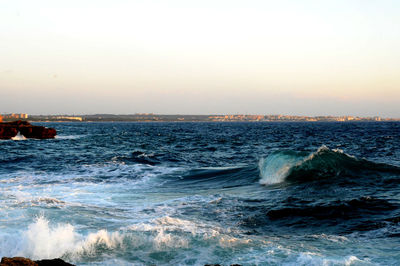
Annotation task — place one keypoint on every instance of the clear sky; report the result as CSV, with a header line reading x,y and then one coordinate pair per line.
x,y
200,57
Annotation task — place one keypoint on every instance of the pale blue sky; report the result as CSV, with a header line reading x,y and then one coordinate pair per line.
x,y
200,57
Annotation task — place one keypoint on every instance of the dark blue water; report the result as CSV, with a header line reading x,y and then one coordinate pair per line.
x,y
197,193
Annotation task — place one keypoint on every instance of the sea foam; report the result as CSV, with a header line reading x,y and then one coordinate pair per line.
x,y
19,137
43,241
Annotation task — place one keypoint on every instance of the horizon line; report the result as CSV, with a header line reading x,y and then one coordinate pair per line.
x,y
216,114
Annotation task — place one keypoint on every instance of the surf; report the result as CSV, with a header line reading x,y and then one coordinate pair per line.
x,y
19,136
289,165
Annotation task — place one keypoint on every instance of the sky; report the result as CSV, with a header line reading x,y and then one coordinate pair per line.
x,y
295,57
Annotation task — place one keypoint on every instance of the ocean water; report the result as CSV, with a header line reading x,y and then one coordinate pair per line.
x,y
198,193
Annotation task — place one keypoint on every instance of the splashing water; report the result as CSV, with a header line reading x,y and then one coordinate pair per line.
x,y
19,137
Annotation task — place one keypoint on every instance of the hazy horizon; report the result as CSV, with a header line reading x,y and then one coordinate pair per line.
x,y
188,114
305,57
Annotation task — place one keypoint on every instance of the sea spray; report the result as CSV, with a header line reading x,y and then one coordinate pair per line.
x,y
43,241
19,136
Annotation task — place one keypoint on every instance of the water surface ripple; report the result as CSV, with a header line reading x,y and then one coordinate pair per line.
x,y
198,193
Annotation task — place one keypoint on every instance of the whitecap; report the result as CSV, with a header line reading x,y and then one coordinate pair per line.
x,y
43,241
19,137
66,137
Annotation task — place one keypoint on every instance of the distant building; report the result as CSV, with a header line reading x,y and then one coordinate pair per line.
x,y
15,116
73,118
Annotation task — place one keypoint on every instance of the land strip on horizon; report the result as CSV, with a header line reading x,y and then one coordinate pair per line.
x,y
149,117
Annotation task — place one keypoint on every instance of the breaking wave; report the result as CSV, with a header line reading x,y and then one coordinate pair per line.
x,y
42,240
19,136
283,166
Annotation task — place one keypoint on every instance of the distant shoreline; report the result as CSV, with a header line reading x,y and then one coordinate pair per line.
x,y
142,121
191,118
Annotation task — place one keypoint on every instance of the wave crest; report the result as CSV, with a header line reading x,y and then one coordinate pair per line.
x,y
42,240
324,163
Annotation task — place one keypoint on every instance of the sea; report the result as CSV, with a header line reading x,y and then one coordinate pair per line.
x,y
184,193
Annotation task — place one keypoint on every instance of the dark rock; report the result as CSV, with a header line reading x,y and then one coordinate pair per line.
x,y
53,262
37,132
7,132
20,261
17,261
18,123
10,130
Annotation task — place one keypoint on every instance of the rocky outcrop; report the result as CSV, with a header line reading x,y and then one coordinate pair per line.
x,y
11,129
53,262
20,261
7,132
17,261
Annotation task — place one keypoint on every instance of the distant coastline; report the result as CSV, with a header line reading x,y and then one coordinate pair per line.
x,y
189,118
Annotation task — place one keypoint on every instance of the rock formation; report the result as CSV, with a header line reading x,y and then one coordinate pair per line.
x,y
11,129
20,261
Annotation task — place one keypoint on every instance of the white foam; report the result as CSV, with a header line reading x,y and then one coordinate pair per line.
x,y
178,225
69,136
42,241
19,137
177,233
166,241
332,238
311,258
102,237
275,168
